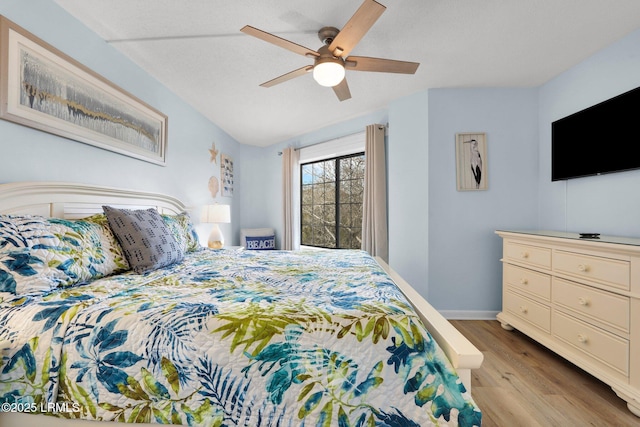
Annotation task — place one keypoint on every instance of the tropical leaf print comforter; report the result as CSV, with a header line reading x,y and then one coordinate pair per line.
x,y
235,339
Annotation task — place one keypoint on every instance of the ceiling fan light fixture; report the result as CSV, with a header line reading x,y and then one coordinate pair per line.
x,y
328,72
331,59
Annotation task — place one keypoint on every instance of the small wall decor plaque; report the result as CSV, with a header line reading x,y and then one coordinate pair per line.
x,y
471,161
214,186
226,175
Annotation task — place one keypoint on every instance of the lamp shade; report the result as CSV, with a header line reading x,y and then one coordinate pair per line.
x,y
329,73
216,214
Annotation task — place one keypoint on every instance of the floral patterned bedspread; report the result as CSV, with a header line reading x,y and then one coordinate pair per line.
x,y
232,338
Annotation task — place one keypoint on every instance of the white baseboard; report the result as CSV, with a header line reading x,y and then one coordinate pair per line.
x,y
469,315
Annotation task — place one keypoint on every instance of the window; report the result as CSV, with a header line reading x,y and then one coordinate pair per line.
x,y
331,203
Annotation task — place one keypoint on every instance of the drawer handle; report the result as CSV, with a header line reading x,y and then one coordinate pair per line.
x,y
582,338
583,301
584,268
525,255
524,281
523,309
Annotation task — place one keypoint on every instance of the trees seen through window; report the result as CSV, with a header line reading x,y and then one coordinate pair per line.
x,y
332,191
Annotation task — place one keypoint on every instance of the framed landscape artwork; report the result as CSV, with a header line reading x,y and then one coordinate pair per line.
x,y
471,161
45,89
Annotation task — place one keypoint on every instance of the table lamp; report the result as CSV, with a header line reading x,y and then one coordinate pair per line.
x,y
216,214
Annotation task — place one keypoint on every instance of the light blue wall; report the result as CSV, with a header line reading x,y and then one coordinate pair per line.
x,y
440,240
408,183
31,155
608,204
260,177
464,252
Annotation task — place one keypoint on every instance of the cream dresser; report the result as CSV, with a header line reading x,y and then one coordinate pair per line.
x,y
580,298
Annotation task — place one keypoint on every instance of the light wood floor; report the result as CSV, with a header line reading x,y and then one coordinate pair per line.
x,y
521,383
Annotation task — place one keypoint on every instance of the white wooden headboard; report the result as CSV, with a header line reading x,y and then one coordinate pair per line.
x,y
71,201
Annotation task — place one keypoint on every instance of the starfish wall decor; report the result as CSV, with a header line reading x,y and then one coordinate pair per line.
x,y
213,152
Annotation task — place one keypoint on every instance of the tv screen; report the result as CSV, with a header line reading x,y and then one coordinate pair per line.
x,y
601,139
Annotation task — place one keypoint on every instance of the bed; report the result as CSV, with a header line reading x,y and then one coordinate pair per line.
x,y
221,337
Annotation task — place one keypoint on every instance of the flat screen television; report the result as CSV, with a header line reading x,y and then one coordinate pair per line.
x,y
601,139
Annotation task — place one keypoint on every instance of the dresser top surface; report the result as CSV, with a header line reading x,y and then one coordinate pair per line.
x,y
631,241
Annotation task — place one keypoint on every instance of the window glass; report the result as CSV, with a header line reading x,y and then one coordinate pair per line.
x,y
331,203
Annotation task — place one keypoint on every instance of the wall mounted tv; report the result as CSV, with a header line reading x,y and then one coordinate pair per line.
x,y
601,139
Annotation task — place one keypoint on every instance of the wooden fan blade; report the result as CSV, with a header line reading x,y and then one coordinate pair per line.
x,y
278,41
363,63
290,75
342,90
356,28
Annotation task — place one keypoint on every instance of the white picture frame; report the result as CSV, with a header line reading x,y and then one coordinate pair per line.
x,y
471,161
43,88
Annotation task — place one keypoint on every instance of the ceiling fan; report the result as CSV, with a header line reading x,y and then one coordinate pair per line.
x,y
331,60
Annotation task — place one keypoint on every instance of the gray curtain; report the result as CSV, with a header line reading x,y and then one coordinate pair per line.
x,y
290,182
374,207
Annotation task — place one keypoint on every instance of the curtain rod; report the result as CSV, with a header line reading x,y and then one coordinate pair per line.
x,y
385,126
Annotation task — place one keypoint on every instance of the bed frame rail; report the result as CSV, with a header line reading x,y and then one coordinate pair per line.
x,y
464,356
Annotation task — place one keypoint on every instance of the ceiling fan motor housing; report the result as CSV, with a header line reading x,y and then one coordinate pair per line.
x,y
327,34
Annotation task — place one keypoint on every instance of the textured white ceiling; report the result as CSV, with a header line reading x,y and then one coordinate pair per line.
x,y
195,48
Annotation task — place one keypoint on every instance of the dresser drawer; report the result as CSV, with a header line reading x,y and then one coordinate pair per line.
x,y
607,271
529,310
603,306
529,281
527,254
600,345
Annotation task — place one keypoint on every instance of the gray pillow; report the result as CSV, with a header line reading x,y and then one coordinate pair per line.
x,y
146,240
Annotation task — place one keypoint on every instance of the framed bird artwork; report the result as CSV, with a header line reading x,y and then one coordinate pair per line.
x,y
471,161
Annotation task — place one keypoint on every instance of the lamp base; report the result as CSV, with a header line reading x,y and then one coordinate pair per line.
x,y
215,244
216,239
